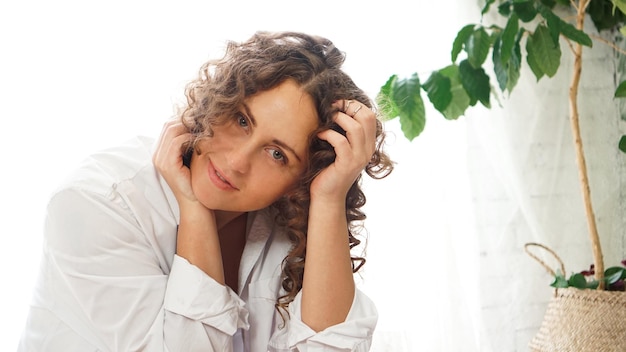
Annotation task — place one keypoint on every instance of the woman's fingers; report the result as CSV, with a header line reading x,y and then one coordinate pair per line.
x,y
359,122
173,135
168,159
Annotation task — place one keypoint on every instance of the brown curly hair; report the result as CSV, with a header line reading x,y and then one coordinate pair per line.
x,y
259,64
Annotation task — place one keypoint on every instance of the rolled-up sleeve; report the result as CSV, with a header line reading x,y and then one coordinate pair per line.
x,y
354,334
192,294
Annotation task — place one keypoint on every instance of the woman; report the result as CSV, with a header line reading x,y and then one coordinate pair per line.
x,y
234,232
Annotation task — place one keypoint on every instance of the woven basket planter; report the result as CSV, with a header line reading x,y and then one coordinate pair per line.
x,y
580,320
583,321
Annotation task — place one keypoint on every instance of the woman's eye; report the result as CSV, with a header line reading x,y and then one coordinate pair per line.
x,y
242,121
277,155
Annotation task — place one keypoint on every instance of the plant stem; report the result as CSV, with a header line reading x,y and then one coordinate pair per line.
x,y
580,156
612,45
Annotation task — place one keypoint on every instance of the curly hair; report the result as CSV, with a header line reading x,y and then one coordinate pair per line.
x,y
259,64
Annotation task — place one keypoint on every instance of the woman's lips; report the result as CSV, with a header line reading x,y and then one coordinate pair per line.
x,y
218,179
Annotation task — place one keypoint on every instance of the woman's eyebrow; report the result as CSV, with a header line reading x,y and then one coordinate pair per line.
x,y
285,146
249,113
275,141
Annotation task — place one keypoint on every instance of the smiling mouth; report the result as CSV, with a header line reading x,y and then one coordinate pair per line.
x,y
219,180
222,178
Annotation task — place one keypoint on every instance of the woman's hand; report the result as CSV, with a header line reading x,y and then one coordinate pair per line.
x,y
168,160
197,240
353,151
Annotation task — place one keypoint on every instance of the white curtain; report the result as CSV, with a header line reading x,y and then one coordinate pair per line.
x,y
422,254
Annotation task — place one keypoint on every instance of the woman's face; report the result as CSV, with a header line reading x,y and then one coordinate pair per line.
x,y
257,157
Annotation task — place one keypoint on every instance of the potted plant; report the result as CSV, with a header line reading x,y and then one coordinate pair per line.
x,y
531,35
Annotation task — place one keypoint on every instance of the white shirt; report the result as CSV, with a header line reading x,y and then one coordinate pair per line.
x,y
110,279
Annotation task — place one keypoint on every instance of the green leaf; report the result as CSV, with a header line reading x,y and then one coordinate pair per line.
x,y
558,26
604,16
507,71
525,10
549,3
553,22
620,92
559,281
623,30
543,52
476,83
505,9
438,88
620,4
460,40
577,280
515,62
508,37
613,274
622,144
460,100
593,284
486,7
387,107
500,67
406,95
477,47
575,34
533,64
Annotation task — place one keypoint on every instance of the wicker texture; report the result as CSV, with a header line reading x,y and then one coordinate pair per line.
x,y
583,321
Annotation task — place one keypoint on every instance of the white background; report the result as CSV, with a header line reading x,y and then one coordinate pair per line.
x,y
77,76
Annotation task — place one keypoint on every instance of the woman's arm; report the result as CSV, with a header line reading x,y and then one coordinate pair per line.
x,y
328,284
198,239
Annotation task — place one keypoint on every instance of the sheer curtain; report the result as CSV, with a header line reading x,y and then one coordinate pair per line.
x,y
80,76
422,254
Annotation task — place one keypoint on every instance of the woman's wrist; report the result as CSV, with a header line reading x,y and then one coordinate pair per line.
x,y
329,198
198,239
193,210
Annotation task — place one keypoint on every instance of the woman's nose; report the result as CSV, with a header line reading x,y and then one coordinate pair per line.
x,y
239,159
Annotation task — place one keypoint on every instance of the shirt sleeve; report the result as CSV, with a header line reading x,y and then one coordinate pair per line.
x,y
354,334
101,281
192,295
